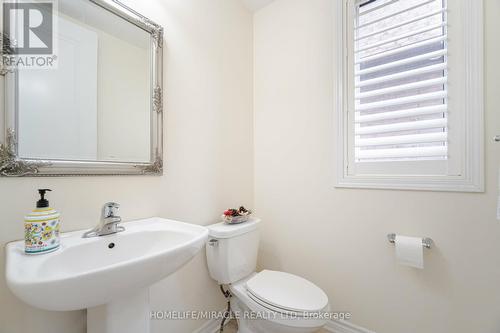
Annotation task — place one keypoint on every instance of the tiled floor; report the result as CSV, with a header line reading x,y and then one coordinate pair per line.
x,y
232,327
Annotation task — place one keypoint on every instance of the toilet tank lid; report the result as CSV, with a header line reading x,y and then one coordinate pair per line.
x,y
225,230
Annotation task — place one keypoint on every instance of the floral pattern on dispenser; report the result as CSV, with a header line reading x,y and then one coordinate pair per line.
x,y
42,228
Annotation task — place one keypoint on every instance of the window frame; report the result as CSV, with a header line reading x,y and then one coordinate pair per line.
x,y
466,101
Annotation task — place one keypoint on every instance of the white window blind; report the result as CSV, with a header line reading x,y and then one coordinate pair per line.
x,y
400,81
410,94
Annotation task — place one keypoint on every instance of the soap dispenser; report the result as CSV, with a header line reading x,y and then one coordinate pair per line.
x,y
41,227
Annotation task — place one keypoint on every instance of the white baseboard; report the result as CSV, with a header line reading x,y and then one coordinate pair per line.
x,y
211,326
333,326
341,326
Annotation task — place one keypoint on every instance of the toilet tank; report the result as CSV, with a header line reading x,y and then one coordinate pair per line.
x,y
232,250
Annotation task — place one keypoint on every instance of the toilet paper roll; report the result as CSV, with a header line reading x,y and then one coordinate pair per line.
x,y
409,251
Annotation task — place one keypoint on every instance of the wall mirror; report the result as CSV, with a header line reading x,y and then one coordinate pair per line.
x,y
99,110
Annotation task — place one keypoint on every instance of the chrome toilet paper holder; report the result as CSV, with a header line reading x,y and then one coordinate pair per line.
x,y
426,242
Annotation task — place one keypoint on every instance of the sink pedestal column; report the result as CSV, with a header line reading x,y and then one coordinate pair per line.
x,y
128,314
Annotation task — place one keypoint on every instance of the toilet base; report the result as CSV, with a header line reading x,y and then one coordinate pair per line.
x,y
246,324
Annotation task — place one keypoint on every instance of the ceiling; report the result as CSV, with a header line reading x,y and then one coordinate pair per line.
x,y
255,5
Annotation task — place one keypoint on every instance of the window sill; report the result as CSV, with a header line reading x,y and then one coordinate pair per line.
x,y
439,184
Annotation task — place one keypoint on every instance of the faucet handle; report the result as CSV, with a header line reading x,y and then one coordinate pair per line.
x,y
110,209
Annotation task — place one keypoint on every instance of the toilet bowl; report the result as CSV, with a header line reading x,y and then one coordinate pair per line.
x,y
269,301
284,303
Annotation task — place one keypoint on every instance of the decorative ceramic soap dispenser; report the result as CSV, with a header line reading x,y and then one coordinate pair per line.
x,y
41,227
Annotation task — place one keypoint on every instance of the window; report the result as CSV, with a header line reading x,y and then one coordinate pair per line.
x,y
410,110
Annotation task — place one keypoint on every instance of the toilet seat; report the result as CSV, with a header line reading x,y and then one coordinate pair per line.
x,y
272,314
286,293
276,310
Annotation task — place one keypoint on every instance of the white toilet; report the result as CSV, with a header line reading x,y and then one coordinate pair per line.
x,y
265,302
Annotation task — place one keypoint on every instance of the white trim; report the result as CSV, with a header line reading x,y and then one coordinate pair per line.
x,y
474,40
340,70
341,326
210,326
471,175
334,326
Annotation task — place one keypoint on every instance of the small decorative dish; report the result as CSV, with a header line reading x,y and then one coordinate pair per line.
x,y
236,216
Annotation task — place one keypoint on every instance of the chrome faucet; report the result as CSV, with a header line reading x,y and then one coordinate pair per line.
x,y
109,222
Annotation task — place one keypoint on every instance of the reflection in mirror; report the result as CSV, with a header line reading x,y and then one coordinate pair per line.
x,y
96,106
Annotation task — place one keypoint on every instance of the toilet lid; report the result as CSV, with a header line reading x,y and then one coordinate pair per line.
x,y
287,291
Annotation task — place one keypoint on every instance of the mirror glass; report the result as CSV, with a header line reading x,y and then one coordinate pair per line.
x,y
96,105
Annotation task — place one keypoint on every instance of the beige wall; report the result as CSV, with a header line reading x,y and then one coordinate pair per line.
x,y
208,159
337,237
310,228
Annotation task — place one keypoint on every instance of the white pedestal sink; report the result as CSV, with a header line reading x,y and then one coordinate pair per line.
x,y
108,275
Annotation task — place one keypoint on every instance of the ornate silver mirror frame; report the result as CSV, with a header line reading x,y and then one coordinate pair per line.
x,y
13,166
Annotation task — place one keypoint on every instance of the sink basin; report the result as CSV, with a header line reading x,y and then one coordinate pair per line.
x,y
112,271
